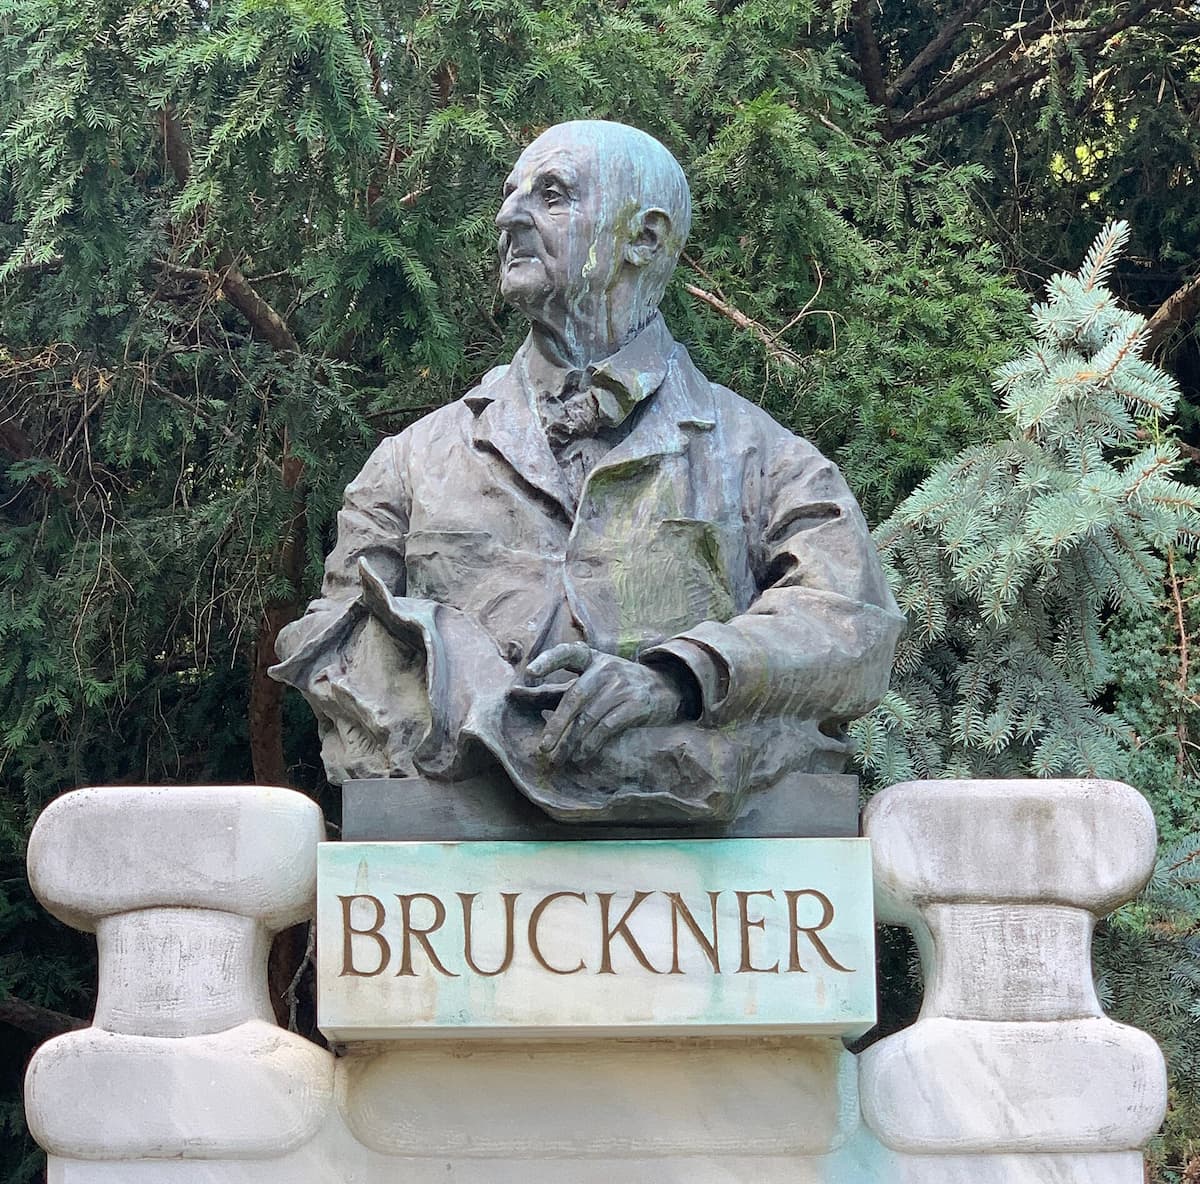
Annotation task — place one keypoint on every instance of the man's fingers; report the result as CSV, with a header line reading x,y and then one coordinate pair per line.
x,y
571,655
619,719
583,701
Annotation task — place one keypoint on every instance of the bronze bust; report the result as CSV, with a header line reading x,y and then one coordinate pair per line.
x,y
630,589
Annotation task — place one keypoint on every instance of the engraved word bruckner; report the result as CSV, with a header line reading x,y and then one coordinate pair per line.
x,y
623,585
624,937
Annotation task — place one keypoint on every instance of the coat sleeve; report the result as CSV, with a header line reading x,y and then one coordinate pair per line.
x,y
372,525
818,640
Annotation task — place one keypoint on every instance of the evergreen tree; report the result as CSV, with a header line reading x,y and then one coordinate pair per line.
x,y
1079,113
1008,558
1025,565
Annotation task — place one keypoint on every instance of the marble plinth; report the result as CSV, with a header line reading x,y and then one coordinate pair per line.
x,y
1011,1075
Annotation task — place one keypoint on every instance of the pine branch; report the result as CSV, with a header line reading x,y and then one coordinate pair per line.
x,y
933,50
39,1022
1102,257
934,111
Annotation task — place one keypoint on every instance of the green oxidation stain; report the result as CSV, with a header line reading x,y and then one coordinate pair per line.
x,y
708,548
362,878
670,585
840,867
667,574
591,262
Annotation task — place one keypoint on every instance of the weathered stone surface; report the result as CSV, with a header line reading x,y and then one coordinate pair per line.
x,y
576,1102
1086,843
333,1158
242,849
250,1091
1009,1077
1034,959
649,937
404,808
175,972
1002,882
183,888
880,1164
959,1086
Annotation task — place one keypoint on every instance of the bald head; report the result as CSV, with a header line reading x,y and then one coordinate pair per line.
x,y
637,172
594,218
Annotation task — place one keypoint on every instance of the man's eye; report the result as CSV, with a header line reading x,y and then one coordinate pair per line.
x,y
552,195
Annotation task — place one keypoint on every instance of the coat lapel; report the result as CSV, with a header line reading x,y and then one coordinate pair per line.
x,y
669,397
507,423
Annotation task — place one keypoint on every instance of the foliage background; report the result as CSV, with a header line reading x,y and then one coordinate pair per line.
x,y
239,242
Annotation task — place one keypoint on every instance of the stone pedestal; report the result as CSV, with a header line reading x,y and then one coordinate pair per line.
x,y
183,889
1002,883
1011,1075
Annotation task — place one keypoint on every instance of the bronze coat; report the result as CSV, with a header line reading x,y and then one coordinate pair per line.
x,y
709,535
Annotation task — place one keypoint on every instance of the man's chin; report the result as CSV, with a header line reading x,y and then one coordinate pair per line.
x,y
526,294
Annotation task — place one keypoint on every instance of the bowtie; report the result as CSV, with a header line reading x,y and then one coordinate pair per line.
x,y
583,407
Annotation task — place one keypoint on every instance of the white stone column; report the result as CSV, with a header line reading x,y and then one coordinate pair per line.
x,y
1012,1061
183,888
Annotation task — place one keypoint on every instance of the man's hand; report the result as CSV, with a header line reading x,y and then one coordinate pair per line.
x,y
610,695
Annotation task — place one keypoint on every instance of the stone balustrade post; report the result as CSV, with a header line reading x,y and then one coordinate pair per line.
x,y
1012,1059
184,888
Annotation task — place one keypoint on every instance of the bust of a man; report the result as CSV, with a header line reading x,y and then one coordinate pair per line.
x,y
627,588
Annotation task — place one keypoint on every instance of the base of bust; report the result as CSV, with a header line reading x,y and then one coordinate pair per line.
x,y
489,807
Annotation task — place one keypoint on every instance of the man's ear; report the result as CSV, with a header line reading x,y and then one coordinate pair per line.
x,y
649,240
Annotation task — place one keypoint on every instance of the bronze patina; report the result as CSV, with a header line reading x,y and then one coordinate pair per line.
x,y
630,589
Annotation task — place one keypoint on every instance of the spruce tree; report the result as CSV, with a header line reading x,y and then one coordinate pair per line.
x,y
1040,572
1009,558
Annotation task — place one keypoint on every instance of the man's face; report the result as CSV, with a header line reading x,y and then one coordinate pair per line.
x,y
557,242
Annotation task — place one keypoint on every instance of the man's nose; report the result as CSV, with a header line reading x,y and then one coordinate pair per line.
x,y
512,212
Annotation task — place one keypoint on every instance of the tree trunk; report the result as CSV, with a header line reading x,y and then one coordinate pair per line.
x,y
39,1022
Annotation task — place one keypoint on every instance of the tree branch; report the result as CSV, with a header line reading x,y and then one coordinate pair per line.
x,y
1181,732
16,442
958,81
238,290
13,438
1182,305
926,114
242,295
39,1022
43,267
178,156
866,53
934,50
781,353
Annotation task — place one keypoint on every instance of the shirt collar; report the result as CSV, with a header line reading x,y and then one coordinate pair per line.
x,y
621,381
